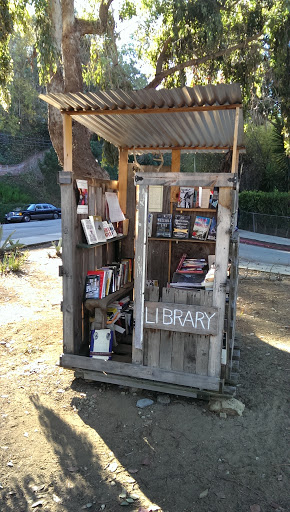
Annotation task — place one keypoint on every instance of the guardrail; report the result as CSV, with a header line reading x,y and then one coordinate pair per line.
x,y
274,225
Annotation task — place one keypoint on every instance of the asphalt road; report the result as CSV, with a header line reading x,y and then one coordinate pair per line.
x,y
251,256
33,232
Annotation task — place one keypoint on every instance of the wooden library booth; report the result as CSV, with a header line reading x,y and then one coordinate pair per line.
x,y
150,262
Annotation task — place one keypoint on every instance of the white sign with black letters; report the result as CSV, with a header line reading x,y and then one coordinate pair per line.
x,y
181,317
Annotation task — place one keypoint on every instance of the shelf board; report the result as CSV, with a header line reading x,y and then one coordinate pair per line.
x,y
92,246
91,304
183,240
214,210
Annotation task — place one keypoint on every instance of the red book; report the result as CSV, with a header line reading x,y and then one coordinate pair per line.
x,y
100,273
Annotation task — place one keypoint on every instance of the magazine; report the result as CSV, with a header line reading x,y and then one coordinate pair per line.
x,y
201,227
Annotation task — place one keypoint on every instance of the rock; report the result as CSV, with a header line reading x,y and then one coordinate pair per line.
x,y
223,415
230,406
163,399
203,494
144,402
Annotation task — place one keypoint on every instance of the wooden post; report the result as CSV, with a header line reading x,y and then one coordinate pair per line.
x,y
68,247
220,281
140,271
123,178
235,143
175,167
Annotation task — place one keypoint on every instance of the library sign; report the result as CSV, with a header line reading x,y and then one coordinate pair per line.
x,y
181,318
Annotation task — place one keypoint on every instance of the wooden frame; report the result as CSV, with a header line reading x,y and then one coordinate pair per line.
x,y
158,353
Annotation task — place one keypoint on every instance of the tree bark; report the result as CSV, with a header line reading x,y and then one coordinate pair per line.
x,y
68,78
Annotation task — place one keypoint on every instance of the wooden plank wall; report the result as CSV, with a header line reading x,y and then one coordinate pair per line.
x,y
88,259
177,351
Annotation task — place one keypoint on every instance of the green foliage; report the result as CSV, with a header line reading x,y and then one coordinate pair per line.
x,y
11,194
270,203
11,258
107,155
50,168
58,246
265,164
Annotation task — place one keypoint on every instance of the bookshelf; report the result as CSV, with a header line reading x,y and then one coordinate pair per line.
x,y
99,244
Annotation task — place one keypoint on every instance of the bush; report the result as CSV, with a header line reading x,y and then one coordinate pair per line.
x,y
269,203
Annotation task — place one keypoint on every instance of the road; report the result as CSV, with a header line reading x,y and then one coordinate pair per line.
x,y
251,256
34,232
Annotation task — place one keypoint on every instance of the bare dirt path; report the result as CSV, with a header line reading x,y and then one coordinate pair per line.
x,y
69,445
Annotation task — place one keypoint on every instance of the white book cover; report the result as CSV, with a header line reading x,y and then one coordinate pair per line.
x,y
89,230
101,344
97,221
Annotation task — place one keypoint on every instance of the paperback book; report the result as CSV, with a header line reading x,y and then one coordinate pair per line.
x,y
97,222
89,231
201,227
212,229
181,226
164,225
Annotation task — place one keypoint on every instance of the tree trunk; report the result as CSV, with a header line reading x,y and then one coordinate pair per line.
x,y
70,80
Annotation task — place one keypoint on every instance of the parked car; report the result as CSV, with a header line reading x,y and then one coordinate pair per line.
x,y
38,211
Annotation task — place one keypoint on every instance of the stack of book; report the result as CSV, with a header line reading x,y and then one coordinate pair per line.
x,y
108,279
190,273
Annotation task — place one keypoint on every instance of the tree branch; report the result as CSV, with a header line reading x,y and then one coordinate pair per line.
x,y
97,27
201,60
161,57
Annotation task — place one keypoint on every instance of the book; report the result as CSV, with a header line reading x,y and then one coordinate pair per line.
x,y
212,230
97,221
164,225
214,198
102,277
186,197
201,227
92,287
187,280
113,231
101,344
205,197
181,226
107,230
89,231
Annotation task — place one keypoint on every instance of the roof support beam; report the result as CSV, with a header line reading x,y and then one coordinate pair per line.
x,y
156,110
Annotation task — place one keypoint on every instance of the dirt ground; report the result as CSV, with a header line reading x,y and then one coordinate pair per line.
x,y
69,445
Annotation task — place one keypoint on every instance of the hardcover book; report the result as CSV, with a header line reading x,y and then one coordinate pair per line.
x,y
201,227
164,225
181,226
89,231
107,230
92,285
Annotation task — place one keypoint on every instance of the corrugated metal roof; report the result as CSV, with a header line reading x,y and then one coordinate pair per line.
x,y
188,118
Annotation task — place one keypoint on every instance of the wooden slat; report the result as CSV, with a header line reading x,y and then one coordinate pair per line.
x,y
236,129
184,318
68,255
178,338
186,179
202,342
166,336
140,371
219,290
123,178
140,270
